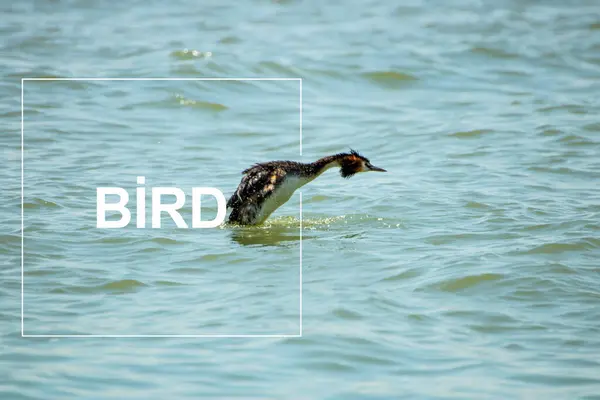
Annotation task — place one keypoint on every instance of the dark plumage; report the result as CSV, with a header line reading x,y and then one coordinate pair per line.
x,y
266,186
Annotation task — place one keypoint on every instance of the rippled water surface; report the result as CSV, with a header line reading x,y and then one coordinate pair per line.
x,y
469,270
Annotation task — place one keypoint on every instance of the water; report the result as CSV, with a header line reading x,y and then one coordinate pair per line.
x,y
469,270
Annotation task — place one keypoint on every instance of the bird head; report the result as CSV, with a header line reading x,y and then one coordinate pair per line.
x,y
353,163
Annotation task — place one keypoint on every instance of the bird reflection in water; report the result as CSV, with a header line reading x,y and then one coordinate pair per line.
x,y
273,235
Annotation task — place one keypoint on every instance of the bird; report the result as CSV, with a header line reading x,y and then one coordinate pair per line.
x,y
267,186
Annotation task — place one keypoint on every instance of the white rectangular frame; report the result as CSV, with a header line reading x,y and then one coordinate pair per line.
x,y
23,80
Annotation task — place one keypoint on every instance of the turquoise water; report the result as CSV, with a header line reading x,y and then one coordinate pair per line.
x,y
469,270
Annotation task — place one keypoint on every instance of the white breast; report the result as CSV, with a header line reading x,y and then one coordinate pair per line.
x,y
281,195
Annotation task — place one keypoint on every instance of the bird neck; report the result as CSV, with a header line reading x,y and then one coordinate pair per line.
x,y
323,164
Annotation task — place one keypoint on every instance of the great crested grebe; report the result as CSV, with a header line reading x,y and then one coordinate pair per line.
x,y
267,186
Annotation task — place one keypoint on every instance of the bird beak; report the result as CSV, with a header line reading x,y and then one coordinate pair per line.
x,y
374,168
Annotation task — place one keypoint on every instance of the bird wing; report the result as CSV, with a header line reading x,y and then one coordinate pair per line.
x,y
258,183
